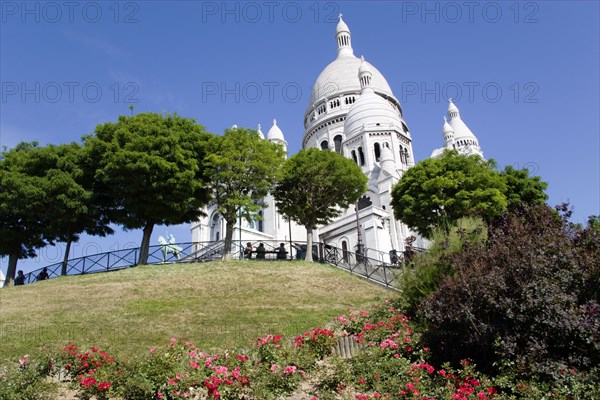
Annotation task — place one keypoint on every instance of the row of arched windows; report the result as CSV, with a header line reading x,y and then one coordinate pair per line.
x,y
348,100
404,156
337,144
466,142
359,156
343,40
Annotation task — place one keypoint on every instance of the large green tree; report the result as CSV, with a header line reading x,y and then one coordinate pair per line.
x,y
241,168
316,186
439,191
22,203
148,167
72,205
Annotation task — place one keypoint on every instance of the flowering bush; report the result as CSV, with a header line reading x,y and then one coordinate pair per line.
x,y
318,342
179,370
26,380
391,364
93,371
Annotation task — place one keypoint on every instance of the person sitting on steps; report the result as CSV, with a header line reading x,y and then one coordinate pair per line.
x,y
248,250
20,279
43,275
260,252
281,253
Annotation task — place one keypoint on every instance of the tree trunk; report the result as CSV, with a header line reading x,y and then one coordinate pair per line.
x,y
12,269
63,268
145,243
228,239
309,243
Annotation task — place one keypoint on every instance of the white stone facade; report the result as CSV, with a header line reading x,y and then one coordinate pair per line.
x,y
354,112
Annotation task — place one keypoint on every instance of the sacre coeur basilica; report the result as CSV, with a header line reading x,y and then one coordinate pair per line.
x,y
352,111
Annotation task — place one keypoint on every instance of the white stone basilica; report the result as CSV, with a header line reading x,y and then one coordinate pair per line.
x,y
354,112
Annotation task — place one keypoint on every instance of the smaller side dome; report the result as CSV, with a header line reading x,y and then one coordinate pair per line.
x,y
275,133
262,135
364,75
447,132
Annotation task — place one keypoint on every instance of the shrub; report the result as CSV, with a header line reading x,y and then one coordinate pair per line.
x,y
93,372
26,380
423,276
515,303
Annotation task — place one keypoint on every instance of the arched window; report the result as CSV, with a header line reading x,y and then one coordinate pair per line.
x,y
354,156
215,227
345,250
361,156
324,145
377,151
337,142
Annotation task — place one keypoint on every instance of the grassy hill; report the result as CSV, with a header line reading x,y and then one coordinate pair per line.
x,y
215,305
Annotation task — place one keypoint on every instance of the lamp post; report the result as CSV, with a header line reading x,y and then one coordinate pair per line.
x,y
290,228
240,233
359,243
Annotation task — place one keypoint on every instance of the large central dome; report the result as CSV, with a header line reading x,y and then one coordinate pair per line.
x,y
337,88
340,76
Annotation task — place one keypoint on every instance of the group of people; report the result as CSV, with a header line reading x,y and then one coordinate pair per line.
x,y
20,278
261,251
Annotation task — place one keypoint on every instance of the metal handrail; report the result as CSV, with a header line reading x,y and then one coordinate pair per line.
x,y
371,269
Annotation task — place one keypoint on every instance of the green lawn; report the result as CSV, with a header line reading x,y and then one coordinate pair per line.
x,y
216,305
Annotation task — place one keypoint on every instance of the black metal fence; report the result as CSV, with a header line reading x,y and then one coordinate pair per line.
x,y
374,270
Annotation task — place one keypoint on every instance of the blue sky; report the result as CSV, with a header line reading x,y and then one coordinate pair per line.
x,y
525,76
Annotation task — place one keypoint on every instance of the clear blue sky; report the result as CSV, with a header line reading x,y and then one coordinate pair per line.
x,y
525,76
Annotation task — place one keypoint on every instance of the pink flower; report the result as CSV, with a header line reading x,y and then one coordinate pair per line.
x,y
104,386
289,370
274,367
220,370
24,360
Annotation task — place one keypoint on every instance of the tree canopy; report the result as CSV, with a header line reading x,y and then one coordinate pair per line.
x,y
22,207
241,168
438,191
315,187
149,169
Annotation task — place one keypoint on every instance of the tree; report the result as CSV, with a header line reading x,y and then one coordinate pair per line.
x,y
148,168
438,191
22,201
521,188
241,168
72,205
316,185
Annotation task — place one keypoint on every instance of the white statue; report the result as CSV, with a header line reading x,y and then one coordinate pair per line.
x,y
169,247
